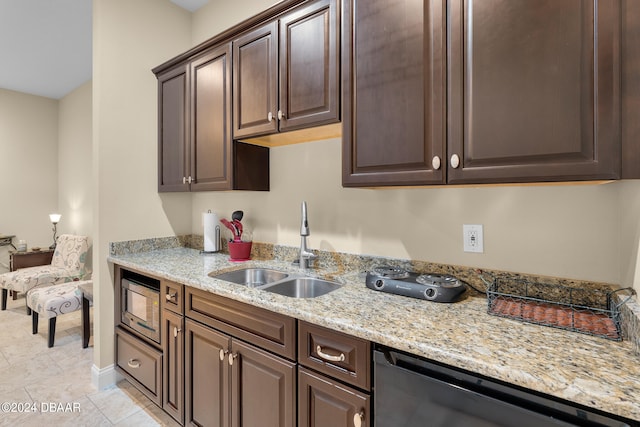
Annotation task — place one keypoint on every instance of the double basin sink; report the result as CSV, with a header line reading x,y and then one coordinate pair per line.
x,y
278,282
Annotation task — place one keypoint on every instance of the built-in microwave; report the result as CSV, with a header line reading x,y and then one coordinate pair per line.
x,y
141,307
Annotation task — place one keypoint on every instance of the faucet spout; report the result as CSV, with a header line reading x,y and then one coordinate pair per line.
x,y
306,256
304,226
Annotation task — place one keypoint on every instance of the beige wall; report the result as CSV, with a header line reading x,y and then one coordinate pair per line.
x,y
129,39
74,163
566,231
28,168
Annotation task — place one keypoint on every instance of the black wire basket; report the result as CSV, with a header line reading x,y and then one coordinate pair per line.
x,y
588,311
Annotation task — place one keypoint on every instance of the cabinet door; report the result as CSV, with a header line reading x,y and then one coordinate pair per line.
x,y
211,121
630,89
255,82
322,402
534,90
263,388
206,376
173,353
309,64
393,70
172,131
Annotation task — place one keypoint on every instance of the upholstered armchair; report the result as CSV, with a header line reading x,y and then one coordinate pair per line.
x,y
67,264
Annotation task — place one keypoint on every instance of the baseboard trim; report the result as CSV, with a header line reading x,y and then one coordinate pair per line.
x,y
105,377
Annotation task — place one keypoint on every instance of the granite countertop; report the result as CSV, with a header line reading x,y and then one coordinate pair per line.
x,y
587,370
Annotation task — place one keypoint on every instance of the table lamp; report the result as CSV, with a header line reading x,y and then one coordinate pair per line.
x,y
55,219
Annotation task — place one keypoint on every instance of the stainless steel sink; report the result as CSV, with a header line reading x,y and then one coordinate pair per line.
x,y
302,287
251,277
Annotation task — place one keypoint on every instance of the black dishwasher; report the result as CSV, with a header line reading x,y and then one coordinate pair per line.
x,y
414,392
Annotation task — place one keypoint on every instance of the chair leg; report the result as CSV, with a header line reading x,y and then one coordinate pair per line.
x,y
28,308
34,322
52,331
85,322
4,298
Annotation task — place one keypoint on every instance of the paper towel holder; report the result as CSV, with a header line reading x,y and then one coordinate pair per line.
x,y
216,240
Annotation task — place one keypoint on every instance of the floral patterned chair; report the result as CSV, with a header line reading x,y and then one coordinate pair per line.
x,y
67,264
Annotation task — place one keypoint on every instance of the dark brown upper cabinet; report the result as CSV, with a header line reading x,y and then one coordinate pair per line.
x,y
469,91
173,156
534,91
196,151
630,88
286,72
393,69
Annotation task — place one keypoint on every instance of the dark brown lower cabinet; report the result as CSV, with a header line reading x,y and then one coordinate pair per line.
x,y
263,388
206,376
173,375
230,383
325,402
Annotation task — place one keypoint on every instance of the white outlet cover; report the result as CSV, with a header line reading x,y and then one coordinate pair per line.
x,y
473,238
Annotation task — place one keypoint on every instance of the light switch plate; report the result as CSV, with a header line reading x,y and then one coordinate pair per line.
x,y
473,238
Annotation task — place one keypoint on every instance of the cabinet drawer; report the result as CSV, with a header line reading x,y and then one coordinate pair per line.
x,y
263,328
140,363
336,354
172,296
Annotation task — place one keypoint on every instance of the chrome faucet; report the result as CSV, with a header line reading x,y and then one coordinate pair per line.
x,y
306,256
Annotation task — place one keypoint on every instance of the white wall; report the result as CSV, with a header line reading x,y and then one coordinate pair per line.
x,y
129,39
28,168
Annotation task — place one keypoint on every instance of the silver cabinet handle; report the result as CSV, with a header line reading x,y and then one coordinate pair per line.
x,y
329,357
358,419
223,353
455,161
184,179
171,296
270,116
281,115
232,357
190,180
435,162
175,331
133,363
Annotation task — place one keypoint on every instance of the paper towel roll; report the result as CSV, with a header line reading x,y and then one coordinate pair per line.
x,y
211,231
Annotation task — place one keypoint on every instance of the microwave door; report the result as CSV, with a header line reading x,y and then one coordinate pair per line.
x,y
136,305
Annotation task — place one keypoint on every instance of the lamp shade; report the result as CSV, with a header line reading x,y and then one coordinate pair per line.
x,y
55,218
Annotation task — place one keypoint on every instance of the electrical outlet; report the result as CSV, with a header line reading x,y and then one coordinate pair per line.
x,y
473,238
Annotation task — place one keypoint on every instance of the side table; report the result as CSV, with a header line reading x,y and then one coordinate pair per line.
x,y
87,300
19,260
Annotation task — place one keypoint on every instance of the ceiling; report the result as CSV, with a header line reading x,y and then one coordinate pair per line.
x,y
46,44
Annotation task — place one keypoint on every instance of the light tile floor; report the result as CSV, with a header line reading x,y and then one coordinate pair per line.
x,y
56,382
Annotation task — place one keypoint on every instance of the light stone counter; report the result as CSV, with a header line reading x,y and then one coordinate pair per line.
x,y
587,370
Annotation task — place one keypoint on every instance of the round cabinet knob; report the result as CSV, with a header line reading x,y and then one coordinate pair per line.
x,y
435,162
358,418
281,115
223,353
175,331
270,116
170,296
455,161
